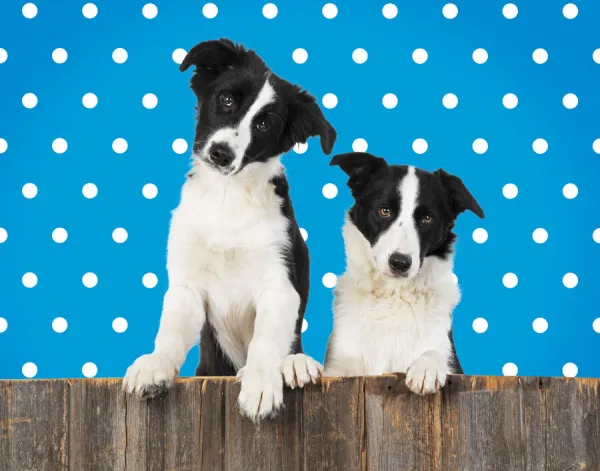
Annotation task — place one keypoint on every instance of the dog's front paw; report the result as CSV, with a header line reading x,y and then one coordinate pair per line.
x,y
261,394
150,375
298,370
427,374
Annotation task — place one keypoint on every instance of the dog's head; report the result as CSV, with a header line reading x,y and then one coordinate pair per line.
x,y
405,213
246,113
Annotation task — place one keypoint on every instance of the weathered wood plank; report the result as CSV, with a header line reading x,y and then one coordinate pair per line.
x,y
212,426
97,432
402,429
5,429
136,433
333,425
273,444
534,421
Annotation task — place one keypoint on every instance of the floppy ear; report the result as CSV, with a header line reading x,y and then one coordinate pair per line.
x,y
461,198
305,119
211,58
360,167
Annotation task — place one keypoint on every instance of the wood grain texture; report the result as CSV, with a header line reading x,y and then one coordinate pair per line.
x,y
212,427
5,429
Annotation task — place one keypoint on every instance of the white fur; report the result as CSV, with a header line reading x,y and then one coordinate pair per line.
x,y
225,253
401,236
385,324
300,369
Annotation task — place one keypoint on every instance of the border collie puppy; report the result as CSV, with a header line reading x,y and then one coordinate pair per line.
x,y
237,264
393,306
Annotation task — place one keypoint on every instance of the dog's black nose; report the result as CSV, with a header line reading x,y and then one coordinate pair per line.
x,y
221,155
399,263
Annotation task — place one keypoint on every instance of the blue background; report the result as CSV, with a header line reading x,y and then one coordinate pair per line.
x,y
359,114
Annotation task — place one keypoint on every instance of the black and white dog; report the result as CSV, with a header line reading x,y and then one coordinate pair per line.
x,y
393,306
238,266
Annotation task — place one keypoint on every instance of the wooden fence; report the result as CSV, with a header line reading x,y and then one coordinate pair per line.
x,y
341,424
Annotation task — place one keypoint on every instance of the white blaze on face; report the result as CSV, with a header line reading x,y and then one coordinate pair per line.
x,y
402,236
239,138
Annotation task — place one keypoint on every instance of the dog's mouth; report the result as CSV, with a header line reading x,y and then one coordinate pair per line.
x,y
205,159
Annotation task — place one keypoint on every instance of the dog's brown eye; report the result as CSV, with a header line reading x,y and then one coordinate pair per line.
x,y
427,219
262,126
227,99
385,212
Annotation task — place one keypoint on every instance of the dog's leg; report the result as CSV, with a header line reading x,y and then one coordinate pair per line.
x,y
182,320
300,369
427,373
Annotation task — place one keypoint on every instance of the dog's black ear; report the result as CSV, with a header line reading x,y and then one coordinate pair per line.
x,y
461,198
360,167
211,58
305,119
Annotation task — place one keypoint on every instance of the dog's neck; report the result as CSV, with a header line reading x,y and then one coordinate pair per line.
x,y
362,272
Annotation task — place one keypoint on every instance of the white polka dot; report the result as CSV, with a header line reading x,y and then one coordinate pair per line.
x,y
304,233
29,280
119,325
304,325
270,11
570,280
59,145
510,11
420,56
330,191
540,325
3,146
29,100
510,280
480,56
29,190
360,56
540,56
510,191
450,101
3,325
595,146
595,325
455,278
89,10
299,56
60,235
450,11
89,100
89,190
510,101
179,146
89,370
210,10
480,235
119,235
330,11
480,325
29,10
3,235
510,369
596,236
150,11
540,235
570,370
89,280
360,145
540,146
120,55
596,56
480,146
149,280
300,148
3,55
570,11
59,325
150,101
570,101
330,101
178,55
150,191
59,55
29,370
390,101
329,280
120,145
570,191
389,11
420,146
